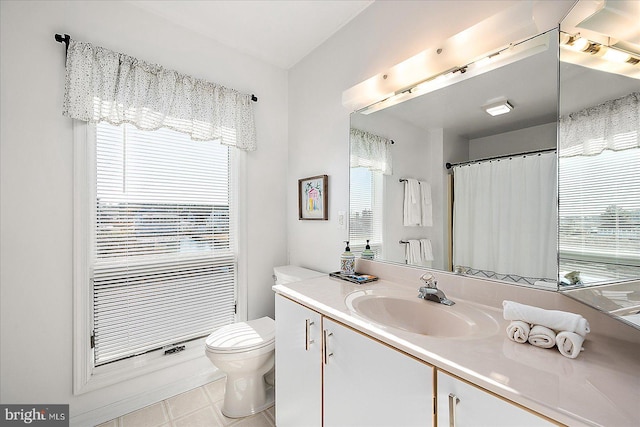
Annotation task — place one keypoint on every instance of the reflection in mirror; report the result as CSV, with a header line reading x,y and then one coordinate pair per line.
x,y
599,159
503,222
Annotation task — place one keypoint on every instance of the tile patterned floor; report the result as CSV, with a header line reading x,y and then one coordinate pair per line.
x,y
195,408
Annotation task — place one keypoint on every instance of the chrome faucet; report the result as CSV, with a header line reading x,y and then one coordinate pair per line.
x,y
430,291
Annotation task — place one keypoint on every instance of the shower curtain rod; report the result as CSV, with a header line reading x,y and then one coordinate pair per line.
x,y
67,38
507,156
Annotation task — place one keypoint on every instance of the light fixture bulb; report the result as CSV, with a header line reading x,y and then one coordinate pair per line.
x,y
615,55
578,44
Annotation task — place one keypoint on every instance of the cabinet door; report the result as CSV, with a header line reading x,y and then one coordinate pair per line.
x,y
369,384
298,365
463,405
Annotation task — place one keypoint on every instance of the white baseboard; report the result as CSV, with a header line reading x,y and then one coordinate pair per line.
x,y
122,407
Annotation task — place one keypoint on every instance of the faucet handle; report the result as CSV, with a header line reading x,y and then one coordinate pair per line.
x,y
429,280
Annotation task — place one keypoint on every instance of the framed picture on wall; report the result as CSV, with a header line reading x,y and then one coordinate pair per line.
x,y
312,198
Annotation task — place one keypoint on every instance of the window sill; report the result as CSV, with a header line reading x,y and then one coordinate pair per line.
x,y
116,372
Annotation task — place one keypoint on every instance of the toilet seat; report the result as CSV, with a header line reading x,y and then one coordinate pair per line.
x,y
242,336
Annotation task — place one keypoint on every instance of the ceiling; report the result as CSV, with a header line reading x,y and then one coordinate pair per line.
x,y
278,32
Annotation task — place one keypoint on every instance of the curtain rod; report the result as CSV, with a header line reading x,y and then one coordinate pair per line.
x,y
507,156
67,38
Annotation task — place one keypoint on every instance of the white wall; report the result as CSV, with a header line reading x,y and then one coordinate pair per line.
x,y
36,187
533,138
385,34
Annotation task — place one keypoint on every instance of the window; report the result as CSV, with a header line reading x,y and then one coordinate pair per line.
x,y
599,229
162,258
365,216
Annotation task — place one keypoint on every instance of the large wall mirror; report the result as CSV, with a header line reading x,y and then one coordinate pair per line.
x,y
503,172
599,157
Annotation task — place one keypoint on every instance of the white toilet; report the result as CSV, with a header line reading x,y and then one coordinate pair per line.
x,y
245,352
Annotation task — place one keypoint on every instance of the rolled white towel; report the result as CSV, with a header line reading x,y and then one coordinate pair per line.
x,y
541,336
569,344
552,319
518,331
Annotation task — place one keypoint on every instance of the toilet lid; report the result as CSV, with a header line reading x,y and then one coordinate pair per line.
x,y
243,336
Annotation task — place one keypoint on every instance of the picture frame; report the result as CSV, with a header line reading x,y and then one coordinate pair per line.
x,y
312,198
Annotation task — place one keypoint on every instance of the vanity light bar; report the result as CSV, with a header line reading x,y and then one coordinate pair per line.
x,y
609,53
479,66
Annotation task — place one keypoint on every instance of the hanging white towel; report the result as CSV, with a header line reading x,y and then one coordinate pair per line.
x,y
541,336
553,319
426,219
426,252
412,203
412,252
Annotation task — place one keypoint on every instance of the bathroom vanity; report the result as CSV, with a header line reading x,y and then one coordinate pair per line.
x,y
375,354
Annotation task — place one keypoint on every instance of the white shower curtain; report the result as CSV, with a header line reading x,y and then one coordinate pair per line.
x,y
505,216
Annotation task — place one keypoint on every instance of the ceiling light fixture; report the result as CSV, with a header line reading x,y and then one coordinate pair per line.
x,y
498,108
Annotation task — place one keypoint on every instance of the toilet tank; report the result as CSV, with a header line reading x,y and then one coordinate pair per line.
x,y
292,273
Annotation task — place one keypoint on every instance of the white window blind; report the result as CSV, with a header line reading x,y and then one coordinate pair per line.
x,y
164,263
599,229
365,216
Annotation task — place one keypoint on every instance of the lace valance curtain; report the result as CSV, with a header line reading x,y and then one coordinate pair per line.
x,y
102,85
612,125
370,151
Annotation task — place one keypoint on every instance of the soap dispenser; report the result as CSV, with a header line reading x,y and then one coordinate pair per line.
x,y
367,253
347,261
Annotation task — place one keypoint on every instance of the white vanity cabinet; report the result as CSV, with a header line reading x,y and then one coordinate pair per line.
x,y
358,381
463,405
369,384
298,365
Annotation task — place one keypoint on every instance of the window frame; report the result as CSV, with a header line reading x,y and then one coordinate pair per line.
x,y
86,376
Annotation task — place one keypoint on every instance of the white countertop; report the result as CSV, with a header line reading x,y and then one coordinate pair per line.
x,y
600,387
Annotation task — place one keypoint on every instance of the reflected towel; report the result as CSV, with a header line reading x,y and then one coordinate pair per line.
x,y
412,209
426,204
412,252
518,331
541,336
569,344
426,251
553,319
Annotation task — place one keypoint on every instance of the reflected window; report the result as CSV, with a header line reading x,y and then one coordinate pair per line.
x,y
365,216
599,228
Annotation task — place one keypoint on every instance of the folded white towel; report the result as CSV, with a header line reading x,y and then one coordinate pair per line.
x,y
553,319
426,251
412,252
541,336
412,208
426,205
518,331
569,344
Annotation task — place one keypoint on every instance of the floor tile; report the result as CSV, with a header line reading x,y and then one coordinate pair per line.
x,y
258,420
271,414
151,416
186,403
215,390
204,417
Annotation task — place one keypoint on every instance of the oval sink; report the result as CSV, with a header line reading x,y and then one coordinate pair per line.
x,y
398,310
